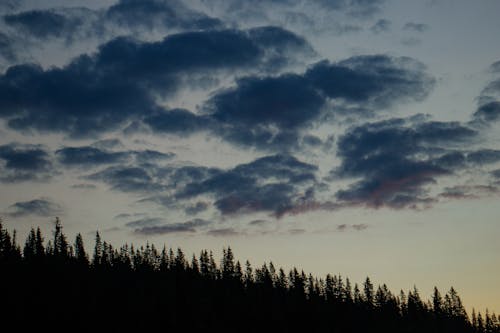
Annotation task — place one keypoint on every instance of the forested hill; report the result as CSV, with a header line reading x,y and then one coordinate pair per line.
x,y
56,286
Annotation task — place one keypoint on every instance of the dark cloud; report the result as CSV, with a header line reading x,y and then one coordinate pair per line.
x,y
129,179
7,49
259,9
418,27
84,186
271,113
269,184
145,222
43,23
177,121
25,163
122,81
88,156
130,16
488,113
183,227
484,156
382,25
154,14
196,208
459,192
249,113
356,227
108,144
495,67
37,207
359,227
396,159
224,232
377,81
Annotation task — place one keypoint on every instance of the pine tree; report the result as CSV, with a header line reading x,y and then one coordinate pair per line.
x,y
97,259
80,254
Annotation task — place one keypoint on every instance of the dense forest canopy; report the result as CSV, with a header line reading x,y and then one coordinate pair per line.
x,y
133,289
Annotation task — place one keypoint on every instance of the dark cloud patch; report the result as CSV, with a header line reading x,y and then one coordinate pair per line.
x,y
177,121
84,186
88,156
145,222
154,14
487,113
108,144
130,16
397,159
378,81
250,113
196,208
148,155
496,173
356,227
260,9
25,163
224,232
129,179
417,27
359,227
270,184
121,82
38,207
43,23
459,192
382,25
484,156
7,49
271,113
190,226
259,223
495,67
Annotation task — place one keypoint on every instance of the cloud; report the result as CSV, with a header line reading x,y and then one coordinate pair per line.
x,y
269,184
487,113
88,156
45,24
376,81
38,207
129,179
196,208
126,16
468,191
382,25
417,27
224,232
144,222
273,112
155,14
484,156
20,163
396,159
58,99
7,49
84,186
356,227
190,226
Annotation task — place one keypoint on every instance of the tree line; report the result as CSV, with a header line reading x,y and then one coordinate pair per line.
x,y
59,284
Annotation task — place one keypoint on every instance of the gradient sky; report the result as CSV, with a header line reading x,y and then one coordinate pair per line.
x,y
355,137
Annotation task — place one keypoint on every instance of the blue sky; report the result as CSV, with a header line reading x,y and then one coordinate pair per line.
x,y
351,136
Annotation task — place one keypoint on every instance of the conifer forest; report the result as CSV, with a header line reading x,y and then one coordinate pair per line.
x,y
50,282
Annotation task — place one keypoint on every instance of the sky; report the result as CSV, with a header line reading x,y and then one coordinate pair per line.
x,y
354,137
